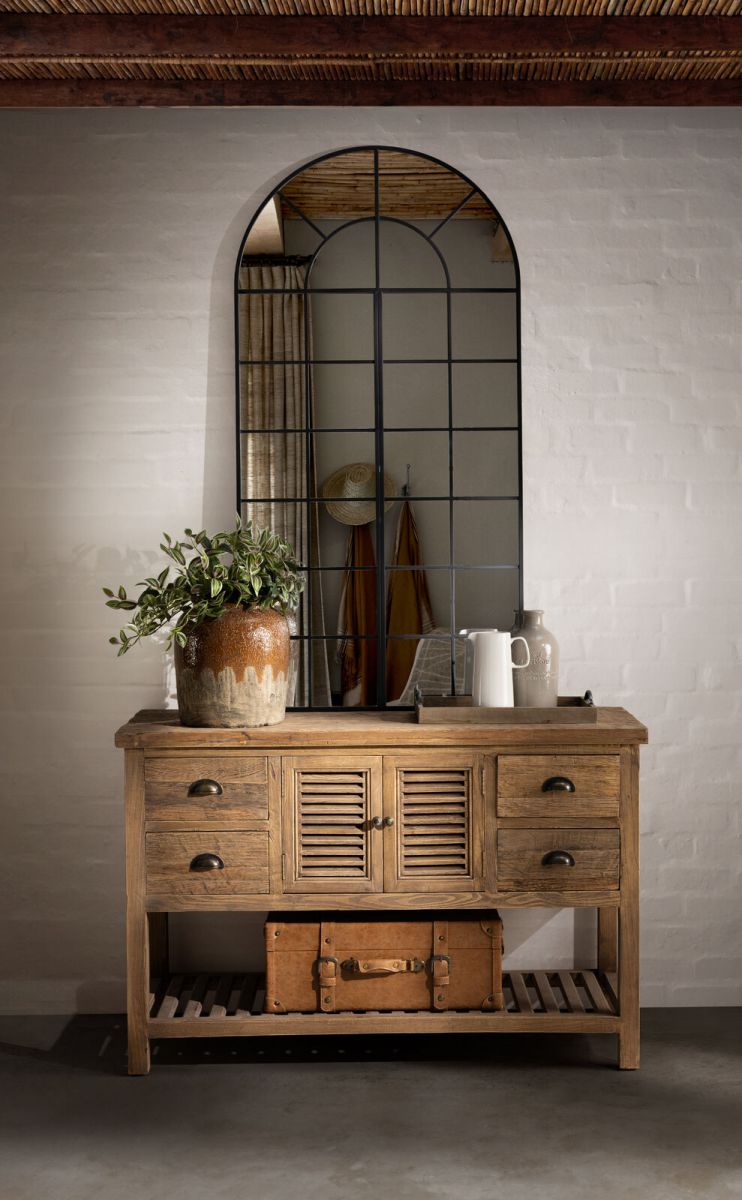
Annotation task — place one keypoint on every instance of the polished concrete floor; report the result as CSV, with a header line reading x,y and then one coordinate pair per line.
x,y
343,1119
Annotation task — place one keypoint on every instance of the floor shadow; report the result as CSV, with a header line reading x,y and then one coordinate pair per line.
x,y
86,1043
98,1044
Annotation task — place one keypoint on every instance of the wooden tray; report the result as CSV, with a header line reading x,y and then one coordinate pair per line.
x,y
452,710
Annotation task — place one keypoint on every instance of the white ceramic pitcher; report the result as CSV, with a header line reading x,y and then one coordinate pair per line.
x,y
492,681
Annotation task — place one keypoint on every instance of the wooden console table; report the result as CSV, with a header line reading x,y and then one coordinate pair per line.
x,y
339,811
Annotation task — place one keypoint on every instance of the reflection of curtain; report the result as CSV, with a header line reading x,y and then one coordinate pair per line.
x,y
275,338
408,604
358,617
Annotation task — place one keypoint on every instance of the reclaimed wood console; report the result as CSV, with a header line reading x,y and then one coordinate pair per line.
x,y
372,811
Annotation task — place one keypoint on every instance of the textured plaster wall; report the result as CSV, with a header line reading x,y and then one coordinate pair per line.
x,y
118,232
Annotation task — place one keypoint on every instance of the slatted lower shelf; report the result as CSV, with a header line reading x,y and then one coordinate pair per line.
x,y
232,1005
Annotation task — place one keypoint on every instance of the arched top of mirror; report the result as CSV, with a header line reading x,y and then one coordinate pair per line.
x,y
326,212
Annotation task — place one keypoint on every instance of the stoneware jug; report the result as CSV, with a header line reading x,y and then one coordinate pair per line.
x,y
538,687
492,680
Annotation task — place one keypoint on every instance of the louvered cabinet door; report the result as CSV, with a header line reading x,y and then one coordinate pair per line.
x,y
433,834
332,839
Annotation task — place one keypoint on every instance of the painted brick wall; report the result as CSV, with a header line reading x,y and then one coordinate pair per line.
x,y
118,232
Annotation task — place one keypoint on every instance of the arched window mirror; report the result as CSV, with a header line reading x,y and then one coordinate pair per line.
x,y
377,315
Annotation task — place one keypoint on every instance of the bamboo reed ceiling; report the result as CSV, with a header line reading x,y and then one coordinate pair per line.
x,y
408,187
239,52
391,8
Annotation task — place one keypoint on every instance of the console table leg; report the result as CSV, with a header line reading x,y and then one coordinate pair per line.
x,y
137,992
159,943
628,984
607,940
628,917
137,929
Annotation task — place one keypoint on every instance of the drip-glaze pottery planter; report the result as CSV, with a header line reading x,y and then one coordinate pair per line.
x,y
233,670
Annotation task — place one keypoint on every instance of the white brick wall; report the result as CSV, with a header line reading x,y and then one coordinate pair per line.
x,y
118,233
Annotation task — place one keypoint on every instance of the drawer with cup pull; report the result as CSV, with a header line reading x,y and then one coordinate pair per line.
x,y
207,863
202,790
559,859
558,785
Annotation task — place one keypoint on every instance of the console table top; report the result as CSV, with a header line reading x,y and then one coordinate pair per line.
x,y
160,729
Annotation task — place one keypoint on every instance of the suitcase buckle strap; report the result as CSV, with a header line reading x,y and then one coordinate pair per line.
x,y
383,966
327,966
440,968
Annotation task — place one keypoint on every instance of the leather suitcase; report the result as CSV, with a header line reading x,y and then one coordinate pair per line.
x,y
336,962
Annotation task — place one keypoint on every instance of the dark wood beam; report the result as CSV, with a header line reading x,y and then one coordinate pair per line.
x,y
93,93
43,36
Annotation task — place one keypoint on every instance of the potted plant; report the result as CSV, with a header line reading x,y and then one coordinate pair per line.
x,y
225,599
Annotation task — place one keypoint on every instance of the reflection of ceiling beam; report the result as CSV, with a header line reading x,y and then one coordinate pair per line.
x,y
83,93
101,35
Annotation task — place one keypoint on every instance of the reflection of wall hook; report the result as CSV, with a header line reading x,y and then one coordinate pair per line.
x,y
406,488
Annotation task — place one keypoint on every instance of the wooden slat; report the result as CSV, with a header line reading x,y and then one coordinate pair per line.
x,y
571,995
258,1000
600,1001
609,983
217,998
195,1001
238,984
545,991
595,92
520,992
140,36
169,1003
247,996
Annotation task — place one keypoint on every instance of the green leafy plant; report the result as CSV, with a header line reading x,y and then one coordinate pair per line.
x,y
251,567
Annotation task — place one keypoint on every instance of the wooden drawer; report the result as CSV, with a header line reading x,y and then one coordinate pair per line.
x,y
521,854
594,778
171,869
206,791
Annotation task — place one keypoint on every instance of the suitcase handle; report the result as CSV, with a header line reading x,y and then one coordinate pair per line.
x,y
383,966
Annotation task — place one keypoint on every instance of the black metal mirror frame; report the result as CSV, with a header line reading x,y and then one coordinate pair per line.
x,y
379,429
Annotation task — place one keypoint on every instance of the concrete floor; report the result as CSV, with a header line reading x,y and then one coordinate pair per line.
x,y
343,1119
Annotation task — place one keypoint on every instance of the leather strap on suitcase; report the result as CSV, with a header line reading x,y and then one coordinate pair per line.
x,y
327,966
440,965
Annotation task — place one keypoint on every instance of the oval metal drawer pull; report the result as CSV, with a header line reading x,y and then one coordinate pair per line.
x,y
388,822
207,862
557,783
558,858
376,823
205,787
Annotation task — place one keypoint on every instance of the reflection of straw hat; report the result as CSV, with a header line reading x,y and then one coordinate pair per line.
x,y
348,489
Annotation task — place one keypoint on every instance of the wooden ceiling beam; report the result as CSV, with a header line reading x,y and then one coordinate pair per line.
x,y
33,36
93,93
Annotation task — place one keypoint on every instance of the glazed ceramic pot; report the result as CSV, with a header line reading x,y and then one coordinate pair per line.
x,y
233,671
537,685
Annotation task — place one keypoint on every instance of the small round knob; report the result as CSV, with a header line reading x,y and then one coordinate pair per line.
x,y
376,822
558,858
557,783
207,862
205,787
388,821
